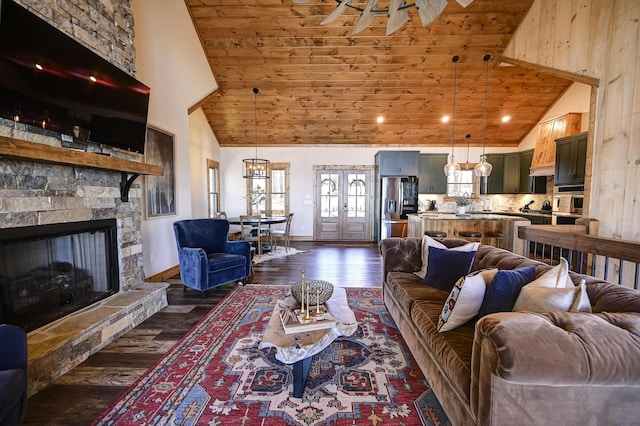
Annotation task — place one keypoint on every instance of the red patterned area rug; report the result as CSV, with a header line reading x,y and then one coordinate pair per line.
x,y
216,374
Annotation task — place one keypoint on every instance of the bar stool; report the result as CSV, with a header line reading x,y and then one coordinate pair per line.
x,y
473,236
495,238
436,234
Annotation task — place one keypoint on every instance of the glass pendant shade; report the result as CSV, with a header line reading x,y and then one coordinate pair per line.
x,y
255,168
483,168
451,168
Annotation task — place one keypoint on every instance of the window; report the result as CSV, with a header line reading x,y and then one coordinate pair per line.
x,y
465,182
270,196
213,187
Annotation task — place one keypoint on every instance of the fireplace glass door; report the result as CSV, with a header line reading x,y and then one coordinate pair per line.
x,y
47,272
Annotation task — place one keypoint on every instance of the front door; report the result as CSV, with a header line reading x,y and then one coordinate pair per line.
x,y
344,203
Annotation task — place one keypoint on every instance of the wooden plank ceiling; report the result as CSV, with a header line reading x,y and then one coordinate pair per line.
x,y
321,85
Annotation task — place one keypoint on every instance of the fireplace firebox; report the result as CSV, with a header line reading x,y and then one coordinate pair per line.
x,y
49,271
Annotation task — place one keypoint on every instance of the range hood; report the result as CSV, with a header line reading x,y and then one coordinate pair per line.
x,y
544,152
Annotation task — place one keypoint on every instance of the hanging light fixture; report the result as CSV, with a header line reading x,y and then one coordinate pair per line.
x,y
255,168
483,168
452,168
466,166
395,10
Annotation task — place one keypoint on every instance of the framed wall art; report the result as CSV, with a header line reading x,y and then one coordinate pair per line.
x,y
160,191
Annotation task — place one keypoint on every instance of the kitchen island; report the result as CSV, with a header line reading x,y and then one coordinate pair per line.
x,y
484,223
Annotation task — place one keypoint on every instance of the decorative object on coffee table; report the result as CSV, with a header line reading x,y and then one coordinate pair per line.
x,y
316,292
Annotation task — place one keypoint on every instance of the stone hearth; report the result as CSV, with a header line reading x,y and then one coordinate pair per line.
x,y
58,347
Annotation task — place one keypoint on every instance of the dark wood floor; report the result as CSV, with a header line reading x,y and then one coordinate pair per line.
x,y
80,395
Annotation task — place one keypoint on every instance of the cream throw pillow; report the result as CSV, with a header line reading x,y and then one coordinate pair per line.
x,y
465,299
553,291
427,242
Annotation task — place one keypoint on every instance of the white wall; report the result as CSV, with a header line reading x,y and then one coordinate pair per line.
x,y
204,145
170,60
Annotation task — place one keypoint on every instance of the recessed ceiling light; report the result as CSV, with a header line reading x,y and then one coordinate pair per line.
x,y
506,118
38,66
445,119
92,78
380,119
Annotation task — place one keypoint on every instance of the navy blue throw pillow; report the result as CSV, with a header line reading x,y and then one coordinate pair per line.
x,y
503,290
446,267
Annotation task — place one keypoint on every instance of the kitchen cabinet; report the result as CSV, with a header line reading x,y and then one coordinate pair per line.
x,y
571,158
530,184
494,183
545,149
510,175
398,163
432,179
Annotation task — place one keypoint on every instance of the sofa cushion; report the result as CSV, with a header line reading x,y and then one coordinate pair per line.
x,y
504,288
452,349
465,299
446,267
553,291
428,242
408,288
222,261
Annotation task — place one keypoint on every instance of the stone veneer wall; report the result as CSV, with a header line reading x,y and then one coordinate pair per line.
x,y
34,193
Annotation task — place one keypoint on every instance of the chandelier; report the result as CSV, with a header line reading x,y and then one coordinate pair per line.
x,y
255,168
397,12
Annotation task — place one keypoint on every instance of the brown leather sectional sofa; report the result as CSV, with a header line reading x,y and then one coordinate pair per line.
x,y
512,368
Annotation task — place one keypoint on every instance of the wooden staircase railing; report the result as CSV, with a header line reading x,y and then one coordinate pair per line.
x,y
609,259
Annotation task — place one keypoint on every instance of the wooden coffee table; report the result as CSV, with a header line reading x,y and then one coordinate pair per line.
x,y
298,349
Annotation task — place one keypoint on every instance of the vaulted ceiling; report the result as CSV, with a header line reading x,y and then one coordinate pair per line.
x,y
322,85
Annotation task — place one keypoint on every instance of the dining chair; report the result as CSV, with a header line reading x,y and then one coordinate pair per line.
x,y
250,230
266,230
283,234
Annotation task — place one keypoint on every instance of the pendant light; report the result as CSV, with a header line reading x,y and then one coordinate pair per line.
x,y
466,166
483,168
255,168
451,169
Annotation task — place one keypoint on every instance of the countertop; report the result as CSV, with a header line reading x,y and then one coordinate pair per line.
x,y
468,216
495,212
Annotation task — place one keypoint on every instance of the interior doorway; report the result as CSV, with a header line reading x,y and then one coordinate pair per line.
x,y
343,203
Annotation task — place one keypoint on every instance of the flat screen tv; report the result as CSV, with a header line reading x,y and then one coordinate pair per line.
x,y
49,80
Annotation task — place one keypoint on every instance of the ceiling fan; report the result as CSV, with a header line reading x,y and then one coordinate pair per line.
x,y
397,11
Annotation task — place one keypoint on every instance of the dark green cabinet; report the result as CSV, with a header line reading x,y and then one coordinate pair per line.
x,y
530,184
510,175
398,163
571,158
494,183
432,179
511,178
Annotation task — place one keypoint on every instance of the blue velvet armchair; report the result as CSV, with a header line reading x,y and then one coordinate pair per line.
x,y
13,374
207,258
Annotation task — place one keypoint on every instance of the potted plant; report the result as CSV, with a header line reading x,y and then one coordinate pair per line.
x,y
461,203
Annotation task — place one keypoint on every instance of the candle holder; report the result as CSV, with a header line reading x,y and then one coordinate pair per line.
x,y
302,293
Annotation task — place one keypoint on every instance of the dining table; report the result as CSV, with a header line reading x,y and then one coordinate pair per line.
x,y
264,220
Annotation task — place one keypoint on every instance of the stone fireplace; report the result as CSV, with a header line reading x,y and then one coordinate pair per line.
x,y
37,193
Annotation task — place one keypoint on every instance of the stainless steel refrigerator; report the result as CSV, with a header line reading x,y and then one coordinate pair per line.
x,y
398,197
